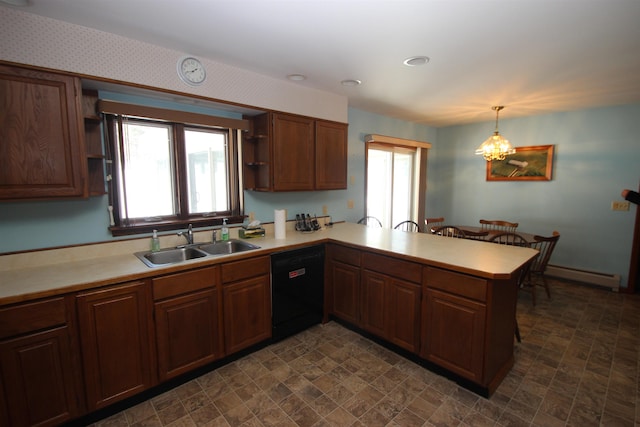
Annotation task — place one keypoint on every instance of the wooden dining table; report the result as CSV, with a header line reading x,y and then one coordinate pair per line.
x,y
529,237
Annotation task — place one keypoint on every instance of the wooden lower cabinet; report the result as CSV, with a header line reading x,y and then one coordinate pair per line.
x,y
404,315
468,324
342,283
454,332
391,309
116,332
188,333
40,381
373,303
345,291
246,299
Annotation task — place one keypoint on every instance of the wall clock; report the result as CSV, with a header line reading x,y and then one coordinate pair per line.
x,y
191,71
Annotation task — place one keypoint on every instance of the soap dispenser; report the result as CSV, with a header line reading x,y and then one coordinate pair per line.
x,y
155,242
225,230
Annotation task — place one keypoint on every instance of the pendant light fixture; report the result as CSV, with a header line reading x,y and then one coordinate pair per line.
x,y
495,147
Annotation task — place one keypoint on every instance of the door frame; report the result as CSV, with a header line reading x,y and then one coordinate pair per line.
x,y
634,266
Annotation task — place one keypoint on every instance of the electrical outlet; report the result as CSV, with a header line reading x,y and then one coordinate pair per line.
x,y
325,210
350,204
620,206
252,216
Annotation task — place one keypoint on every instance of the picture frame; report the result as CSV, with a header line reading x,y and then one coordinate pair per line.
x,y
533,163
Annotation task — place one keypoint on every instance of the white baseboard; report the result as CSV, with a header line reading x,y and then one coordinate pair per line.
x,y
611,281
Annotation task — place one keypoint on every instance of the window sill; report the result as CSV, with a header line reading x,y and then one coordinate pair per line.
x,y
168,225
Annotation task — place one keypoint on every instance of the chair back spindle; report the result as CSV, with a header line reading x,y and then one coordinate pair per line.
x,y
449,231
498,225
370,221
431,223
509,238
408,225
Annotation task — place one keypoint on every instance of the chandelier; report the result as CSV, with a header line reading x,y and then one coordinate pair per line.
x,y
495,147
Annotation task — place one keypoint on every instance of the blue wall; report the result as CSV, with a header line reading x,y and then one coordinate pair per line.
x,y
597,154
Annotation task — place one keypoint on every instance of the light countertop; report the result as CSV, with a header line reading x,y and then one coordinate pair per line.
x,y
38,274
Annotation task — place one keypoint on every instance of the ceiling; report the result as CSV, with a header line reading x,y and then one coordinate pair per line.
x,y
533,56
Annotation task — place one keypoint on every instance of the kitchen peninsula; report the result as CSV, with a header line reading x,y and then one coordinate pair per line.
x,y
449,302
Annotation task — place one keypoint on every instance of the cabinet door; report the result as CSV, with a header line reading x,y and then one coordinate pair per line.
x,y
186,332
42,152
293,153
38,372
454,333
345,291
403,303
331,155
373,303
115,336
247,313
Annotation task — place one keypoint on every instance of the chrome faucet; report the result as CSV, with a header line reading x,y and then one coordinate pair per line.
x,y
187,235
214,236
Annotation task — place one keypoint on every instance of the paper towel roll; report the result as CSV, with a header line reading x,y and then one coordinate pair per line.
x,y
280,223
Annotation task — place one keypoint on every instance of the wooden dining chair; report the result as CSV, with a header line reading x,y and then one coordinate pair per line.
x,y
431,223
476,235
535,275
498,225
449,231
508,238
370,221
408,225
514,239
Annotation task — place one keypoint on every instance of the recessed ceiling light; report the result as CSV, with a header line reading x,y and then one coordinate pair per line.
x,y
415,61
297,77
350,82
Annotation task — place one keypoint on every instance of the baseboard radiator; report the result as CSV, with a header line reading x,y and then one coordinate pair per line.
x,y
611,281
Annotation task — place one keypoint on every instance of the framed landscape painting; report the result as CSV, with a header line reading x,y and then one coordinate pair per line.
x,y
533,163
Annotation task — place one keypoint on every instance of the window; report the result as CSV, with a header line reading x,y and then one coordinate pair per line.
x,y
167,173
396,180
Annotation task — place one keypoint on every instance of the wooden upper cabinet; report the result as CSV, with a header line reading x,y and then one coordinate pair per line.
x,y
286,152
293,153
331,155
42,152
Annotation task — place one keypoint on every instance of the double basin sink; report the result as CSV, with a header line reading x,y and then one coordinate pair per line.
x,y
170,256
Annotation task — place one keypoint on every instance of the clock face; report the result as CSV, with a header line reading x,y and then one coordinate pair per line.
x,y
191,71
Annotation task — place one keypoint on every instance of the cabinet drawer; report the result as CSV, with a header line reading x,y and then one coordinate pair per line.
x,y
182,283
394,267
456,283
345,255
32,317
246,268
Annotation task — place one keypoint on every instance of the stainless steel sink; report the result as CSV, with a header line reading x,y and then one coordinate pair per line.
x,y
170,256
227,247
175,255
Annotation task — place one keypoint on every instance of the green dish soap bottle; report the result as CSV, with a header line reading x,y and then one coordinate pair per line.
x,y
155,242
225,230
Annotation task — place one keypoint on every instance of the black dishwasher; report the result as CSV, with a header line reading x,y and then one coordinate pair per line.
x,y
297,290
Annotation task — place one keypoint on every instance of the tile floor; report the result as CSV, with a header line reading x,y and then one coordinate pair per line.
x,y
578,365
